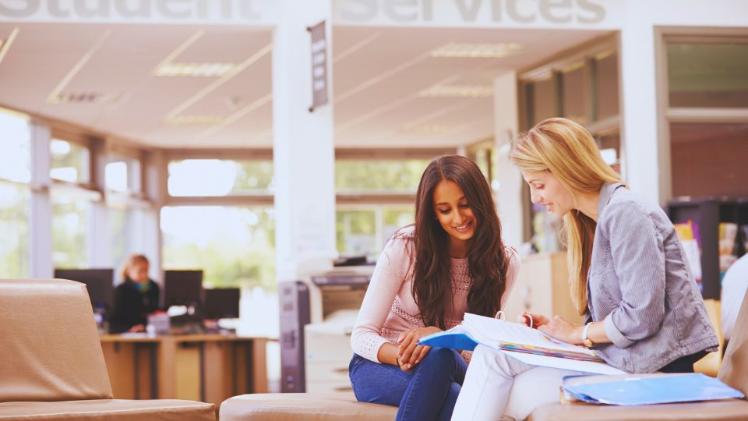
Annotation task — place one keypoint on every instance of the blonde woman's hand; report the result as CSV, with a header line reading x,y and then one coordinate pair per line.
x,y
409,353
561,329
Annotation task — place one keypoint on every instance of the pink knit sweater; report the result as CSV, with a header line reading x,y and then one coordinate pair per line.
x,y
389,307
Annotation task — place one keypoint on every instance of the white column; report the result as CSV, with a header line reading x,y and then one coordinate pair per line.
x,y
41,207
154,176
303,148
98,232
645,152
508,192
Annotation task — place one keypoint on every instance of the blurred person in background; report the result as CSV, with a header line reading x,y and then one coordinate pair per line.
x,y
135,298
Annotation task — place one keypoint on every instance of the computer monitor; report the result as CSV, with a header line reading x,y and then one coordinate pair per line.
x,y
183,288
99,282
221,303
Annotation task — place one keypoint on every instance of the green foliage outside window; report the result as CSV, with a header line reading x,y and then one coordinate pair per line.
x,y
382,176
14,217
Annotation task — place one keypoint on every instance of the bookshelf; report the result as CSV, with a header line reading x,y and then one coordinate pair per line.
x,y
706,215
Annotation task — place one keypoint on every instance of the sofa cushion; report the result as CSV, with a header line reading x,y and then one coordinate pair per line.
x,y
728,410
50,346
303,407
109,409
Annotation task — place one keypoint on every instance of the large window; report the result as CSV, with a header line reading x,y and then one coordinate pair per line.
x,y
375,197
15,173
234,246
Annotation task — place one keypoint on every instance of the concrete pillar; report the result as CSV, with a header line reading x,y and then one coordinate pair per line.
x,y
508,191
303,146
646,152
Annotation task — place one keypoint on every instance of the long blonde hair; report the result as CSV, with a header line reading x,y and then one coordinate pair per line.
x,y
568,151
131,261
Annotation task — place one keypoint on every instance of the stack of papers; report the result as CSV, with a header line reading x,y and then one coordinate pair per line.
x,y
647,389
521,342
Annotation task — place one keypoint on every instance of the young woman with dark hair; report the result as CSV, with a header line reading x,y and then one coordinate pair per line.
x,y
452,260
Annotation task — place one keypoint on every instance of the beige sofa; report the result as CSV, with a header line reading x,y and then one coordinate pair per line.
x,y
52,366
340,406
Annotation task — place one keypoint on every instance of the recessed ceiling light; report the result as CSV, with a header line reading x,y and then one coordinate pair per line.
x,y
193,69
194,120
459,91
83,98
471,50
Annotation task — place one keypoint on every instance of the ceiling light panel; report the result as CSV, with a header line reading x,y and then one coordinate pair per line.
x,y
457,91
194,69
476,50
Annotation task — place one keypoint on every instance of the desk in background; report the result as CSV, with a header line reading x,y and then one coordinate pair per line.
x,y
205,367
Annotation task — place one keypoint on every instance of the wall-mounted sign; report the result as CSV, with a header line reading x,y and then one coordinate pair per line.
x,y
319,65
497,13
141,11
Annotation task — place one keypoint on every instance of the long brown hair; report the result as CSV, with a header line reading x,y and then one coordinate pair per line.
x,y
432,283
568,151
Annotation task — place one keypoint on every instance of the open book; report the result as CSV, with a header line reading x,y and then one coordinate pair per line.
x,y
521,342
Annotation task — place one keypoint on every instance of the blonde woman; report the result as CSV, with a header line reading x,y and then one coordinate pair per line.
x,y
135,298
627,272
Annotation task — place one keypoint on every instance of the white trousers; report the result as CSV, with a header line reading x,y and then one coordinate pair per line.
x,y
497,386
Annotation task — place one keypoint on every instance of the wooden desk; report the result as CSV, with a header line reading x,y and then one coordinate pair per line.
x,y
204,367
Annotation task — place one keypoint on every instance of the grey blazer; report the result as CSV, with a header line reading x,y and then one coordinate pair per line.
x,y
640,286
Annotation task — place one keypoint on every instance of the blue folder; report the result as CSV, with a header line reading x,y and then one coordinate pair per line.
x,y
647,389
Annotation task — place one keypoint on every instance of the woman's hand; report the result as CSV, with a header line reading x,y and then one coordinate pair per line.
x,y
533,320
137,329
562,330
409,353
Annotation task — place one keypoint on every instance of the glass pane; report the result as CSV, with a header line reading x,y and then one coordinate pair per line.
x,y
71,215
575,95
544,100
356,232
607,86
364,231
708,74
383,176
115,176
70,162
118,231
217,177
723,173
15,137
396,217
14,225
610,149
234,246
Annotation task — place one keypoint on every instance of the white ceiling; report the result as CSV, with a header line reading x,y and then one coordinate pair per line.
x,y
377,76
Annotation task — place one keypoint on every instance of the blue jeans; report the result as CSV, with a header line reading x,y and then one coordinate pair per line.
x,y
428,392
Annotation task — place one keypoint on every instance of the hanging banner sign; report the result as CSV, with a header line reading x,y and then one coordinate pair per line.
x,y
319,65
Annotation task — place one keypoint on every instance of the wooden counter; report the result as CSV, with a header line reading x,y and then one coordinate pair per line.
x,y
202,367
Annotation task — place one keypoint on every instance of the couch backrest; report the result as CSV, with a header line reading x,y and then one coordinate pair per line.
x,y
49,346
734,369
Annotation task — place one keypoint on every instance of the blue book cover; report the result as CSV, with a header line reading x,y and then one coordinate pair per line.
x,y
455,338
647,389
